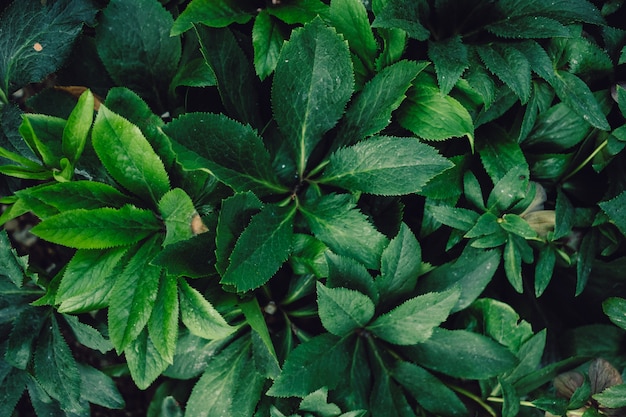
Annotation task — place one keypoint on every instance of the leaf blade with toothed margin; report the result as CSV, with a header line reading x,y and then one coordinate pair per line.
x,y
342,310
199,315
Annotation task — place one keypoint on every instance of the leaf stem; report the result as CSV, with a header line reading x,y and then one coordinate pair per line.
x,y
501,400
474,398
586,161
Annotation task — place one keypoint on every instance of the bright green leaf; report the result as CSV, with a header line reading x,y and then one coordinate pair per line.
x,y
312,84
99,228
87,335
127,155
163,322
414,320
335,221
144,360
200,317
515,224
317,402
78,126
267,40
261,249
612,397
213,13
401,263
299,11
408,166
178,212
455,217
42,133
350,19
342,310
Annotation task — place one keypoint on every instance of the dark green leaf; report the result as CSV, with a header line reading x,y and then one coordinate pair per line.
x,y
234,216
267,40
511,404
517,225
26,329
510,189
12,266
98,388
433,116
462,354
586,258
88,280
163,322
42,134
565,11
317,402
370,111
577,96
262,340
217,13
346,272
12,385
529,356
87,335
544,269
99,228
616,210
450,59
316,82
486,224
43,404
394,43
513,264
499,153
127,155
36,39
471,273
401,262
199,315
615,309
234,72
335,221
558,129
455,217
261,249
192,258
133,296
402,14
528,27
409,165
508,64
193,353
144,360
418,381
229,386
414,320
231,151
308,256
178,213
136,54
342,310
55,368
299,11
319,362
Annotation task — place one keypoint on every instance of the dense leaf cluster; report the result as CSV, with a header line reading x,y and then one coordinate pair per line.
x,y
316,208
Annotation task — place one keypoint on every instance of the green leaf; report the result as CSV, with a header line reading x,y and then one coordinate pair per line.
x,y
394,43
440,400
128,157
529,354
88,280
499,154
564,10
350,19
144,360
263,352
54,198
236,81
87,335
455,217
133,296
42,133
78,126
12,385
228,386
513,264
450,58
433,116
342,310
544,269
400,265
36,39
317,402
471,273
98,388
370,111
508,64
138,55
319,362
408,166
616,210
586,259
163,322
615,309
312,84
26,327
612,397
234,217
261,249
559,128
402,14
510,189
99,228
335,221
233,152
200,317
576,95
267,40
55,368
346,272
462,354
214,13
178,213
528,27
12,266
414,320
517,225
299,11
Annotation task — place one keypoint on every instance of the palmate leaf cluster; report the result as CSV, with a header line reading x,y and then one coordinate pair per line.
x,y
314,208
